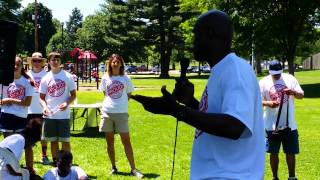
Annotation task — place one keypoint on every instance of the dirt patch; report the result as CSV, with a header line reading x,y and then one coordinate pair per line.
x,y
88,88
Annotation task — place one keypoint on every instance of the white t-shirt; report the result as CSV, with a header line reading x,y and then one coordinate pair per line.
x,y
271,91
116,89
57,88
18,89
75,173
16,144
232,89
35,106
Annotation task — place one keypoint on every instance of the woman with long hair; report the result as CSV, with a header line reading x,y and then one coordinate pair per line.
x,y
16,99
117,88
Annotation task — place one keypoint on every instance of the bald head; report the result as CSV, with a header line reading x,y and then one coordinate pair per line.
x,y
213,35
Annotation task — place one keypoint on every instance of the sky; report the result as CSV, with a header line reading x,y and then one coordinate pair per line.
x,y
61,9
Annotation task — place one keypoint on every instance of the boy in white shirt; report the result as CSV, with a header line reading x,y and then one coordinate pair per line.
x,y
57,92
65,170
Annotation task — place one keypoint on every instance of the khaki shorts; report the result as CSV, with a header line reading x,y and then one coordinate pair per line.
x,y
114,122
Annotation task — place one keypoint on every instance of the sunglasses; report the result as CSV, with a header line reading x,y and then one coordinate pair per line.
x,y
55,59
37,60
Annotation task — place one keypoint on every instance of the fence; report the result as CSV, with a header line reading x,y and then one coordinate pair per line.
x,y
312,62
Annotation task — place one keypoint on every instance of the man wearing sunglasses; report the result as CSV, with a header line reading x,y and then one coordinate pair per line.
x,y
36,62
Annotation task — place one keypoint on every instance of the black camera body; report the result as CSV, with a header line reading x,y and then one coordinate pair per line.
x,y
8,34
278,134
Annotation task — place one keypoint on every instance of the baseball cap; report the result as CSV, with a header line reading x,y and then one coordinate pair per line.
x,y
36,55
275,67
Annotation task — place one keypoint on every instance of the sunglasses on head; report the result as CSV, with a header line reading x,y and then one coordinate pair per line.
x,y
37,60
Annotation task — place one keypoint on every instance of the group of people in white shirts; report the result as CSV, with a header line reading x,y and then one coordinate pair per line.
x,y
45,97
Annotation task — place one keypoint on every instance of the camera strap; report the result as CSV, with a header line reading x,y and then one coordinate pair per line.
x,y
280,109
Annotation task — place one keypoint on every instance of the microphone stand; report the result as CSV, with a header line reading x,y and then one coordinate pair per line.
x,y
1,97
184,63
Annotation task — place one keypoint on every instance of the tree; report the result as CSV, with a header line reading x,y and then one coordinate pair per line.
x,y
121,29
9,9
45,25
276,26
74,23
91,35
164,18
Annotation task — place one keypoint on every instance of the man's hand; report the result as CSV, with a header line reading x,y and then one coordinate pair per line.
x,y
46,111
288,91
6,101
271,104
63,106
183,91
159,105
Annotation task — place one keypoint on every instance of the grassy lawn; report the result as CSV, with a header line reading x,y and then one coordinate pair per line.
x,y
152,136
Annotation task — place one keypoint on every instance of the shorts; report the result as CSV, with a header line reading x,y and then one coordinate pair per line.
x,y
12,123
290,143
33,116
56,130
115,122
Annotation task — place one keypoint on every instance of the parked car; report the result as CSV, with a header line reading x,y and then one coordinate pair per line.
x,y
102,67
192,69
155,68
142,68
130,69
205,69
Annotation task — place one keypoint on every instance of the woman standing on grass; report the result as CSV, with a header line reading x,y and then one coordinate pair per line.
x,y
117,88
35,109
17,97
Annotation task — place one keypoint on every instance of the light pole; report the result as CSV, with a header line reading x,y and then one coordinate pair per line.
x,y
36,45
62,42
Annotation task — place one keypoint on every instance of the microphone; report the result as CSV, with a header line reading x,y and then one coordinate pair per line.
x,y
184,64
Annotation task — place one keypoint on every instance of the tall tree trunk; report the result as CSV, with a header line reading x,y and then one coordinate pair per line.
x,y
258,65
291,63
163,57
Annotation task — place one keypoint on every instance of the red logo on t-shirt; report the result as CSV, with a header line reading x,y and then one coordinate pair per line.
x,y
203,107
115,89
275,93
16,91
56,87
37,81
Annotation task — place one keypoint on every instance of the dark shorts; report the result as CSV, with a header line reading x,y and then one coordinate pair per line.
x,y
33,116
56,130
290,143
12,123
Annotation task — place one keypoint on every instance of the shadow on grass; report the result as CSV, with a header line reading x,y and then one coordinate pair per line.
x,y
203,76
91,132
311,90
92,177
147,175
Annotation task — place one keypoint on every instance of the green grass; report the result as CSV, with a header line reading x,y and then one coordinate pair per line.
x,y
152,136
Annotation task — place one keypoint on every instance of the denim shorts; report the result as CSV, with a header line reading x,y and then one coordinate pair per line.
x,y
56,130
12,123
290,143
